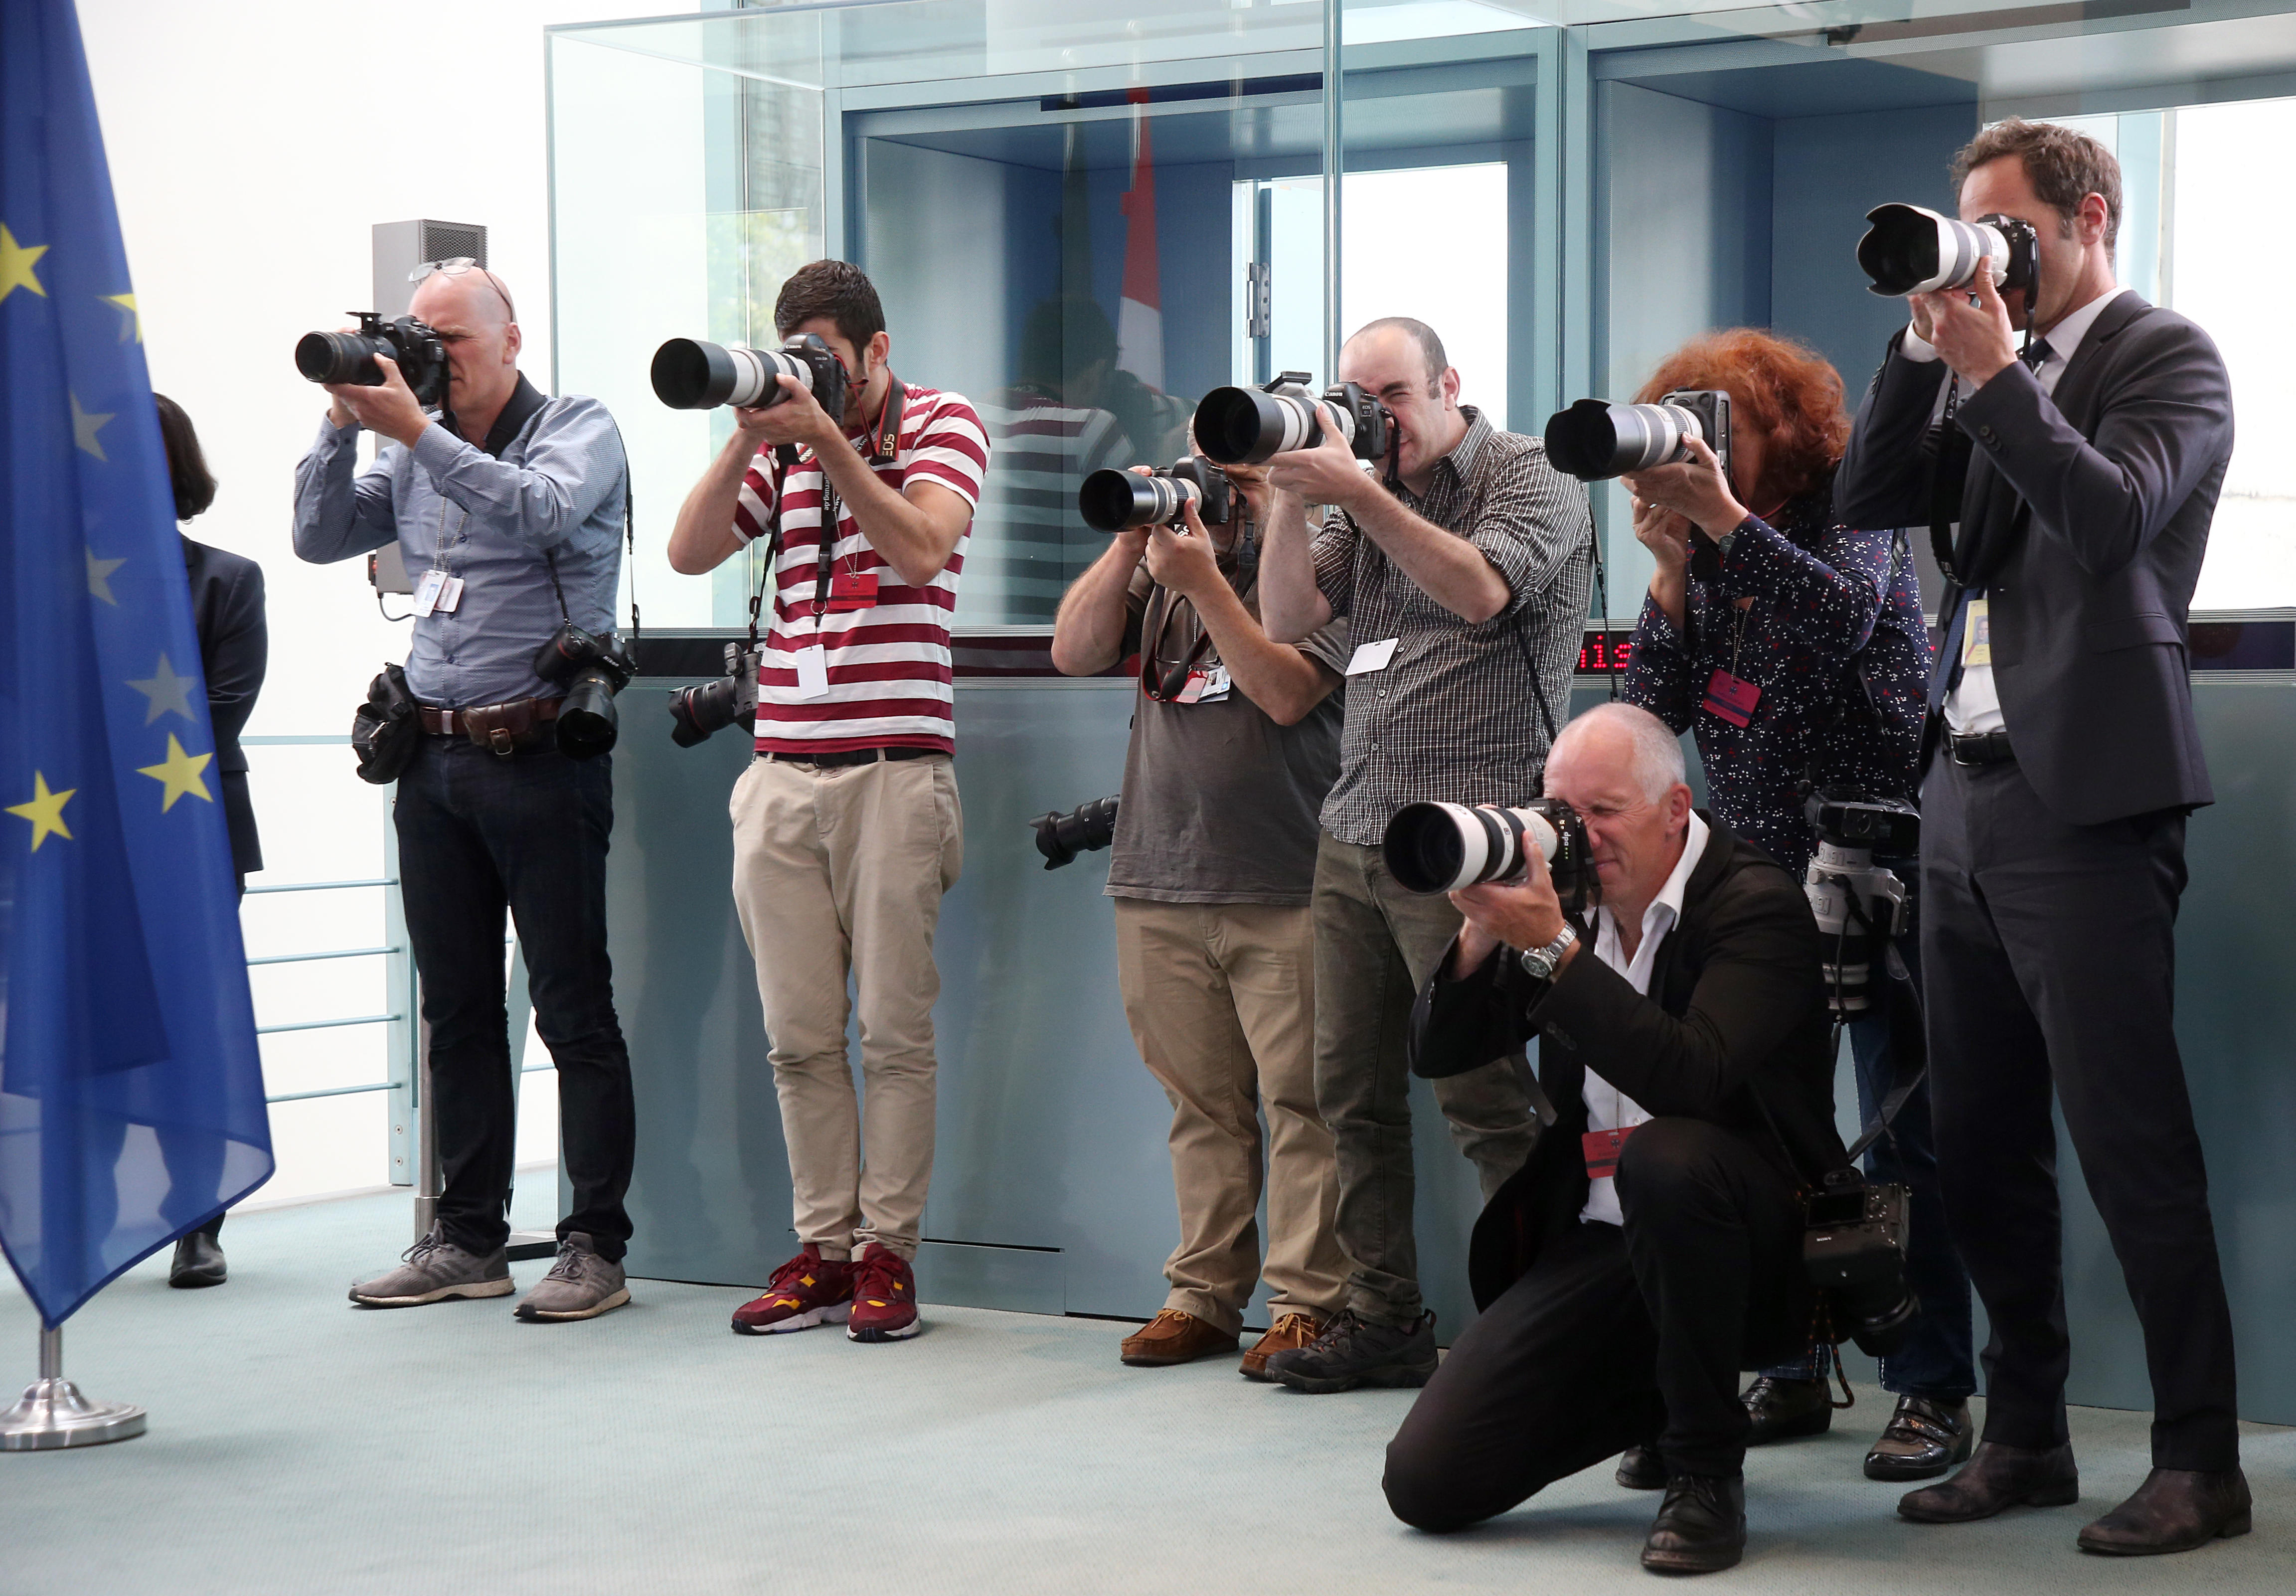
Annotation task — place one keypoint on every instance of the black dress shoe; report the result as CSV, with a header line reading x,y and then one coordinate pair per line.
x,y
199,1262
2175,1510
1782,1409
1995,1478
1700,1526
1922,1438
1641,1469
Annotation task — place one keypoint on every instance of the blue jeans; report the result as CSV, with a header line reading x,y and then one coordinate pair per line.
x,y
1936,1361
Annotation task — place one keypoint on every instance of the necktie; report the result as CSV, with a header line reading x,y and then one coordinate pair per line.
x,y
1946,677
2036,357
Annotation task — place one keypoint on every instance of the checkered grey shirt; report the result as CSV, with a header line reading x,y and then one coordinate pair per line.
x,y
1453,717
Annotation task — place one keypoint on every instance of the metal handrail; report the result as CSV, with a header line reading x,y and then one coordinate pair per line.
x,y
292,1097
323,886
322,1024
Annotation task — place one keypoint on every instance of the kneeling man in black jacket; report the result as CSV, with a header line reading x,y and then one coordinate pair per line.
x,y
1651,1249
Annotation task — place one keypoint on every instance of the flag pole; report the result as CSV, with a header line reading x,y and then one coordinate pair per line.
x,y
53,1414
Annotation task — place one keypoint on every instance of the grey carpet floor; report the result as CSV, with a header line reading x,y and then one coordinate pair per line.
x,y
298,1444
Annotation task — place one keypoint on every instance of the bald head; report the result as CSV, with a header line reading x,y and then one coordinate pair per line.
x,y
469,299
473,318
1628,740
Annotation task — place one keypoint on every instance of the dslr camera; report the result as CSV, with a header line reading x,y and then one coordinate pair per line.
x,y
1113,501
1860,907
689,374
1084,830
697,713
1595,439
1912,251
1853,1251
592,670
1244,426
348,357
1439,847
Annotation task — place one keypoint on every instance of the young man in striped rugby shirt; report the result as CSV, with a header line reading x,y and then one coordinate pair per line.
x,y
846,830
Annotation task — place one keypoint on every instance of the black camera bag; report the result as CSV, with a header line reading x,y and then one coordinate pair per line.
x,y
387,729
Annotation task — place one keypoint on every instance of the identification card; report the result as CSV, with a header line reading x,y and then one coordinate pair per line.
x,y
812,671
1977,634
1730,699
1206,686
1371,656
450,595
427,589
853,589
1602,1150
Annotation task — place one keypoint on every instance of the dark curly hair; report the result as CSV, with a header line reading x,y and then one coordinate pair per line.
x,y
836,290
1785,391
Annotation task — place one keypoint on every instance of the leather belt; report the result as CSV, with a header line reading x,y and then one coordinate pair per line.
x,y
506,729
842,758
1986,747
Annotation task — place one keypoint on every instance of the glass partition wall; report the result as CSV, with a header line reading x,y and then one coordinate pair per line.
x,y
1082,216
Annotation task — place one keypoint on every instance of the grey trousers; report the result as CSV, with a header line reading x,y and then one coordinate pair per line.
x,y
1375,944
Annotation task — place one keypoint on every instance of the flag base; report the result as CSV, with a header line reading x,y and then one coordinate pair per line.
x,y
53,1414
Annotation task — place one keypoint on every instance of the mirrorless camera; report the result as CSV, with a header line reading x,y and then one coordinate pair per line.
x,y
1860,907
1111,501
696,713
592,670
348,357
1595,439
1086,829
1912,251
689,374
1439,847
1244,426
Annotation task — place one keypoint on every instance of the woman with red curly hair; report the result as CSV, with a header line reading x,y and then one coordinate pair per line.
x,y
1794,649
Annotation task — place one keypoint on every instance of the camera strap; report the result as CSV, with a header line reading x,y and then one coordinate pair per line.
x,y
884,442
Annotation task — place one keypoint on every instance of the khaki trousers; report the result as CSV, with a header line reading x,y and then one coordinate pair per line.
x,y
1221,998
841,869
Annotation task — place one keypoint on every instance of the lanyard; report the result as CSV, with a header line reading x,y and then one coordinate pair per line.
x,y
884,448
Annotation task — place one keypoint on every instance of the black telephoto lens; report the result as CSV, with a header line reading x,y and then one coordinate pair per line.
x,y
1087,828
588,723
696,713
340,358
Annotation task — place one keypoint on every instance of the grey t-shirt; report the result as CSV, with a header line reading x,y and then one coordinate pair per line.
x,y
1220,803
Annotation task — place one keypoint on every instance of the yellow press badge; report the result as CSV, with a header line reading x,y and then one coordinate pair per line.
x,y
1977,634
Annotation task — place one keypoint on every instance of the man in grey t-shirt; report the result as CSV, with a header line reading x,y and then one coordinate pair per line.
x,y
1235,741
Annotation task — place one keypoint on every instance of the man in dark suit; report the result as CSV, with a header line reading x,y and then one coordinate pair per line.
x,y
1684,1025
234,648
2060,759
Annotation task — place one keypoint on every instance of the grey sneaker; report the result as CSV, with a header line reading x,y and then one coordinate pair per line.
x,y
432,1270
580,1285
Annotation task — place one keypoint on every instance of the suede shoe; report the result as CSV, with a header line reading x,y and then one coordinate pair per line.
x,y
2175,1510
432,1271
884,1297
582,1284
1922,1438
1784,1409
809,1289
1290,1332
1641,1469
1995,1478
198,1262
1352,1351
1171,1337
1700,1526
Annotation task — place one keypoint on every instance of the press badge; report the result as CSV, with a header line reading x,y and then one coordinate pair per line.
x,y
1206,686
853,589
1729,699
1977,634
1601,1149
1371,656
438,591
812,671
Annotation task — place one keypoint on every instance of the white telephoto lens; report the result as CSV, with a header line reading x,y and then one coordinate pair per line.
x,y
1474,845
1540,832
750,379
1337,419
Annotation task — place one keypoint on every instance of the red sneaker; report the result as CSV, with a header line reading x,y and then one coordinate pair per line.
x,y
806,1292
884,1296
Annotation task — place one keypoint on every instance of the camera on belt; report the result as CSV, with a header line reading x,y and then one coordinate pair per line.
x,y
689,374
1440,847
1595,439
1244,426
1113,500
348,357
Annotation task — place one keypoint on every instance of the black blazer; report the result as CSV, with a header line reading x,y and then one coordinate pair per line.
x,y
234,648
2085,519
1737,1006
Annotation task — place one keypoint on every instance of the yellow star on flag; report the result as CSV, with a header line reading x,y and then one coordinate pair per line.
x,y
16,266
179,773
84,426
45,811
134,322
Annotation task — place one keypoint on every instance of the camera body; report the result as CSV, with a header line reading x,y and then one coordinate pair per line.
x,y
697,713
1244,426
1853,1253
1439,847
1910,250
1086,829
1860,907
689,374
1113,500
1595,439
591,669
348,357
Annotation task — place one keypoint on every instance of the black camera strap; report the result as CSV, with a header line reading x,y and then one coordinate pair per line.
x,y
884,443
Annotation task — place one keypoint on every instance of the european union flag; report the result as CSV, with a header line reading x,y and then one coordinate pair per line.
x,y
131,1094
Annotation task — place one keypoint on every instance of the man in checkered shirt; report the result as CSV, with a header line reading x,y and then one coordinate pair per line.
x,y
1463,576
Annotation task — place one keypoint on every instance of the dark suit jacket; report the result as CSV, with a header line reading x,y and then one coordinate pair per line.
x,y
1737,1007
2085,519
234,647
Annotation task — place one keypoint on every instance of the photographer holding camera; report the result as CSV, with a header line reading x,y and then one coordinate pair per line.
x,y
1464,575
1652,1247
1235,740
513,506
2060,759
1794,648
846,829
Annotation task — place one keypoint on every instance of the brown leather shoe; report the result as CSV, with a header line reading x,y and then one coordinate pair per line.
x,y
2175,1510
1290,1331
1172,1338
1995,1478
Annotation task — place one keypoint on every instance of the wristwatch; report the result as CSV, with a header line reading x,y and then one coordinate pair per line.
x,y
1540,963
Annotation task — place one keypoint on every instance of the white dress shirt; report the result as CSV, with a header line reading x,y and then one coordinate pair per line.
x,y
1607,1108
1974,707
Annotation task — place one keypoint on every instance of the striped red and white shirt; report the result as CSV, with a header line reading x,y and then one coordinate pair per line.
x,y
890,676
